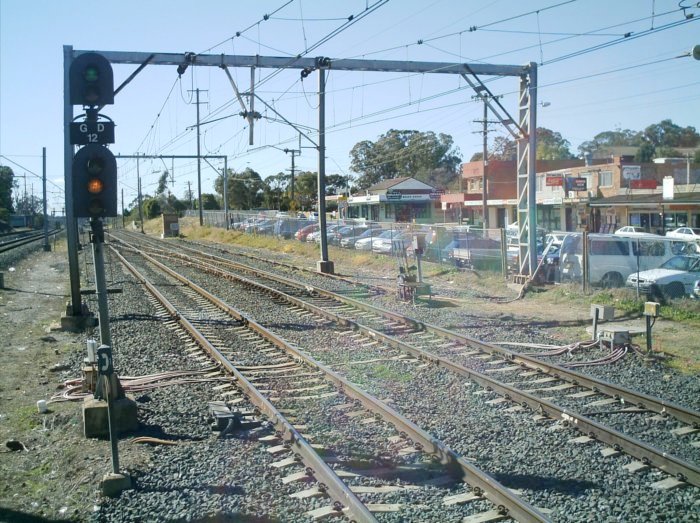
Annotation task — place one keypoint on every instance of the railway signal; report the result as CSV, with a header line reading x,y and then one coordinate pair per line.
x,y
91,80
94,182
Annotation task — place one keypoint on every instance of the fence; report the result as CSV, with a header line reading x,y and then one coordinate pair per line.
x,y
607,260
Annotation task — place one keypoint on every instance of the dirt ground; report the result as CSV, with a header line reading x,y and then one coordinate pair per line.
x,y
56,471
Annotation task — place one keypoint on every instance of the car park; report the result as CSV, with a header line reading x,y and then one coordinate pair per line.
x,y
302,233
342,233
685,233
675,278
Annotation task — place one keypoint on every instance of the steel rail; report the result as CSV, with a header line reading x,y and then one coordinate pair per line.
x,y
482,482
336,488
683,470
19,242
636,398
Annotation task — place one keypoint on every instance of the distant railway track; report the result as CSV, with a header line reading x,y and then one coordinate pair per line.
x,y
10,244
462,355
271,372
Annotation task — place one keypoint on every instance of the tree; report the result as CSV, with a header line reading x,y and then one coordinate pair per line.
x,y
210,202
645,153
151,208
552,146
667,134
306,189
245,189
607,139
422,155
7,183
162,183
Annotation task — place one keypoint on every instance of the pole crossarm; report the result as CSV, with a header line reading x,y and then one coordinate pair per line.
x,y
285,62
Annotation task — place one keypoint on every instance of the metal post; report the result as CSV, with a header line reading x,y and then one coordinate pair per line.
x,y
532,167
484,174
648,318
71,223
199,169
226,191
47,245
123,208
584,262
138,177
504,253
596,317
105,337
324,265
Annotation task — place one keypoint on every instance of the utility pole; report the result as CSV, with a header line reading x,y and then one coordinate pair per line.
x,y
293,152
324,266
485,159
138,176
189,192
199,164
47,246
123,218
226,191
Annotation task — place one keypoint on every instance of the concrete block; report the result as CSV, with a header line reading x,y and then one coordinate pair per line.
x,y
325,267
95,421
113,484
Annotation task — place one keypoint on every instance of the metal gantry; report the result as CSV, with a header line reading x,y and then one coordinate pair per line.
x,y
526,138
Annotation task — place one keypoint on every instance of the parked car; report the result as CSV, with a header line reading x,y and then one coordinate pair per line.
x,y
316,236
476,252
612,258
349,241
365,244
675,278
345,232
302,233
391,244
631,230
685,233
696,290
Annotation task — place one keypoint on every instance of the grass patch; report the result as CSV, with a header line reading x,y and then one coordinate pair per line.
x,y
387,373
25,418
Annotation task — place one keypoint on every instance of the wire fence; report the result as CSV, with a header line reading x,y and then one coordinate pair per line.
x,y
591,260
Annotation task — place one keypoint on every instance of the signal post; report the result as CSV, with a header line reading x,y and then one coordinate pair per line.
x,y
94,196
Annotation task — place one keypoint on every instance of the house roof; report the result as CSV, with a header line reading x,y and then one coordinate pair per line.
x,y
679,198
388,184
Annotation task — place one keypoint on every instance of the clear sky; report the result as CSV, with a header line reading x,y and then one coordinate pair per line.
x,y
626,83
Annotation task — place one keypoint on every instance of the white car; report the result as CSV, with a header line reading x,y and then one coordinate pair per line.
x,y
685,233
675,277
387,245
631,230
365,244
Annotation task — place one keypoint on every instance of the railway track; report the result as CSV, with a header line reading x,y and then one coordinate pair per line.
x,y
13,243
534,381
278,379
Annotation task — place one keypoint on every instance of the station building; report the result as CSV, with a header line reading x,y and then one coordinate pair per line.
x,y
398,200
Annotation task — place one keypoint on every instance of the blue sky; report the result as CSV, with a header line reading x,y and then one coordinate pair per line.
x,y
631,84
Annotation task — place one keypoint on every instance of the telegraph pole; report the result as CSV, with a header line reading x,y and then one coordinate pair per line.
x,y
199,164
47,246
485,159
123,208
293,152
138,177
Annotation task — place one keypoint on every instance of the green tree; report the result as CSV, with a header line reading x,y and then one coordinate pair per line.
x,y
606,139
151,208
306,188
245,189
210,202
7,183
162,183
667,134
422,155
551,145
645,153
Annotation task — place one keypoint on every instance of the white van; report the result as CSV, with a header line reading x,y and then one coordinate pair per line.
x,y
612,257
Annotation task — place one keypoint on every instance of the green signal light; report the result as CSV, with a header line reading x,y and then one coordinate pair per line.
x,y
91,73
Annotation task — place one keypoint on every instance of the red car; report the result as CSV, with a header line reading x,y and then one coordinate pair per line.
x,y
302,233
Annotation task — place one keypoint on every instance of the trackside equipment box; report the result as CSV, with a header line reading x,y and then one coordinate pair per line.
x,y
171,227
